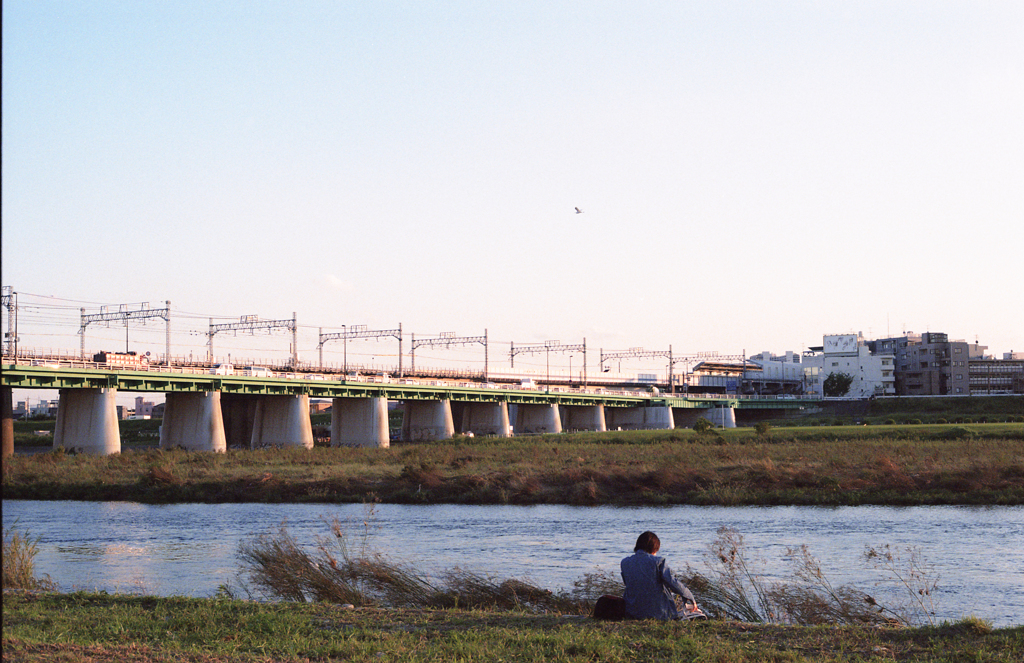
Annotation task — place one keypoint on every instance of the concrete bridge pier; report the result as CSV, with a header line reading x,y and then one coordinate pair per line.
x,y
583,417
193,421
486,419
87,421
721,417
686,417
534,419
7,403
282,421
360,422
640,418
426,421
238,413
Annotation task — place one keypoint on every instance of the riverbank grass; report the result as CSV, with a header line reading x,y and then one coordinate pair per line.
x,y
732,584
19,553
102,627
840,465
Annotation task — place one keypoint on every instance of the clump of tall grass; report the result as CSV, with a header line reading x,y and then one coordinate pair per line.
x,y
276,566
735,588
908,568
19,552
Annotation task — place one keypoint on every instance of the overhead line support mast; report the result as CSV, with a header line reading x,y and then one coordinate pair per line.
x,y
124,314
360,331
252,324
448,339
547,348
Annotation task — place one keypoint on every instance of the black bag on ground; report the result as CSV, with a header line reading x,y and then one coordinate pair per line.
x,y
610,608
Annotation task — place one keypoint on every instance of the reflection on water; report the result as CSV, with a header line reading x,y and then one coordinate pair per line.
x,y
190,549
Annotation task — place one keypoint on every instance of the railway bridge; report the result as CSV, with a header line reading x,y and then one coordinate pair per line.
x,y
207,412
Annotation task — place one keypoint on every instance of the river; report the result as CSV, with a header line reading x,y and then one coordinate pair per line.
x,y
977,553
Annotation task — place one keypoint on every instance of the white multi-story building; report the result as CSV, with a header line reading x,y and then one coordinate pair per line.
x,y
779,374
873,374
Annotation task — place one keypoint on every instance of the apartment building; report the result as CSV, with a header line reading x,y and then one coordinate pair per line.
x,y
929,364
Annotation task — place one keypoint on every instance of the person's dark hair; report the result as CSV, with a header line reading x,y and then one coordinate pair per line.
x,y
648,542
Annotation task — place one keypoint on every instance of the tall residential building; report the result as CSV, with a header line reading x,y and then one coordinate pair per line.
x,y
930,364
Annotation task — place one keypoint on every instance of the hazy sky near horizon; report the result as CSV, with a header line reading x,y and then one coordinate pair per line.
x,y
753,175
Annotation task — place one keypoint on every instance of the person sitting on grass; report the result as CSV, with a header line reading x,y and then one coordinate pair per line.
x,y
650,584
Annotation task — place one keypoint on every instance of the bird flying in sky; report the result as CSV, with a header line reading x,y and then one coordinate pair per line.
x,y
579,211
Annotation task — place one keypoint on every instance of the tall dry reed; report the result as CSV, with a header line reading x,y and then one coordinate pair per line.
x,y
735,587
19,553
276,566
340,570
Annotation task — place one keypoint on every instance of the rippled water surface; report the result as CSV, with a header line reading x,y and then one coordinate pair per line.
x,y
190,549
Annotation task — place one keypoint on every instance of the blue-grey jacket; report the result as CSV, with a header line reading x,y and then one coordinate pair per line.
x,y
646,596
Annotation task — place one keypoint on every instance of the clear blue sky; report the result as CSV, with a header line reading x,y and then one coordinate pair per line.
x,y
753,175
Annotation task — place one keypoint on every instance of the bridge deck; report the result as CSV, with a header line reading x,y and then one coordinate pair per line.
x,y
58,377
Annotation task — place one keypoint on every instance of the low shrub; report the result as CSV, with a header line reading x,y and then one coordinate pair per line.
x,y
702,425
954,433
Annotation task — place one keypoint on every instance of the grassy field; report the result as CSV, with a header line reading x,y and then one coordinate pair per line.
x,y
916,410
813,465
101,627
39,432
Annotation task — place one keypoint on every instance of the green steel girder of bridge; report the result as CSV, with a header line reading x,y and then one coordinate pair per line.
x,y
46,377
